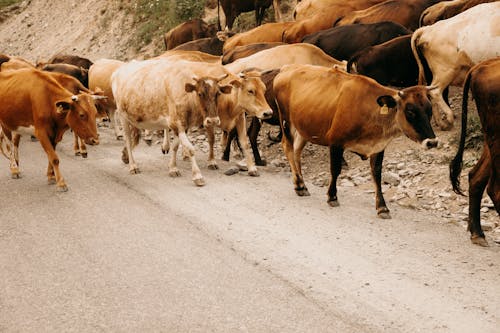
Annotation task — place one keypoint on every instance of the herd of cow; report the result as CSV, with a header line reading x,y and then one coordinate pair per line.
x,y
322,78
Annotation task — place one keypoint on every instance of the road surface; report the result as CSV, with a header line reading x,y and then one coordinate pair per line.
x,y
147,252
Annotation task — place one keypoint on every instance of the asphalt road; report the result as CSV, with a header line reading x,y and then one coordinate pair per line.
x,y
147,252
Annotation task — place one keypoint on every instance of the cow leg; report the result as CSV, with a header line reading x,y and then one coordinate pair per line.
x,y
227,140
253,134
172,166
442,113
243,138
79,146
189,150
376,168
478,179
298,145
76,144
116,122
129,131
298,181
336,158
53,168
212,164
277,10
14,154
148,137
165,146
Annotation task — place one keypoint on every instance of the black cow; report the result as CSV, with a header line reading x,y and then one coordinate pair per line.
x,y
79,73
233,8
343,42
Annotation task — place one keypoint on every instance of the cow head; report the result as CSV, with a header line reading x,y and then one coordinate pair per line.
x,y
251,95
207,90
80,115
414,112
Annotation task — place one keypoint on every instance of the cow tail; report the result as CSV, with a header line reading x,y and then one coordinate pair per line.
x,y
2,150
419,57
456,163
218,16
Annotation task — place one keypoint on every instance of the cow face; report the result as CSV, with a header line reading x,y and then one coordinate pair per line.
x,y
414,115
80,114
208,89
251,95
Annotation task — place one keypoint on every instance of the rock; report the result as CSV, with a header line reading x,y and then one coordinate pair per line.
x,y
232,171
485,210
278,163
400,166
486,202
487,226
391,178
444,194
347,183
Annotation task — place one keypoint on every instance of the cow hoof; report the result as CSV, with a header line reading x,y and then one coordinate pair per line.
x,y
225,158
119,137
62,188
213,167
84,155
199,182
333,203
253,173
302,192
148,142
125,156
51,181
174,173
15,175
478,240
384,215
134,171
261,163
242,166
77,153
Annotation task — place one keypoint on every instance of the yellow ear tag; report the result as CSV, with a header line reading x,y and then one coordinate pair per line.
x,y
384,109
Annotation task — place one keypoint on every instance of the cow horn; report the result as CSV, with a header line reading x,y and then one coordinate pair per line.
x,y
74,98
242,75
98,97
222,77
431,87
401,93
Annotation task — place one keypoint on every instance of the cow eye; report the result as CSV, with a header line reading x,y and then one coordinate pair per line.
x,y
251,92
82,115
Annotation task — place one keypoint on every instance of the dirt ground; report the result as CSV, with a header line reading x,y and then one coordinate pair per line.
x,y
413,177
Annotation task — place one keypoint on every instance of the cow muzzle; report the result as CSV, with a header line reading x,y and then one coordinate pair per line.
x,y
266,114
430,143
92,141
211,121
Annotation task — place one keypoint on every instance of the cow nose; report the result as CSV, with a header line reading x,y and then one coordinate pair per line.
x,y
212,121
267,114
430,143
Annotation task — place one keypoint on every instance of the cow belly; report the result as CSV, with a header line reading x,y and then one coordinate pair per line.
x,y
368,147
161,122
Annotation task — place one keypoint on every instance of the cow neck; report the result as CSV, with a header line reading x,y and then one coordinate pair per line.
x,y
227,106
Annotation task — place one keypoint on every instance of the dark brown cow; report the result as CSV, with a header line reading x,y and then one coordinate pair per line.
x,y
210,45
330,107
389,63
233,8
446,9
188,31
79,73
70,59
342,42
33,101
484,83
405,12
246,50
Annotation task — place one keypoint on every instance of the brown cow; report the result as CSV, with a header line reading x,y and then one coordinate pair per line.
x,y
484,83
308,8
70,59
405,12
210,45
189,55
330,107
447,9
188,31
266,33
34,102
13,63
233,8
246,50
79,73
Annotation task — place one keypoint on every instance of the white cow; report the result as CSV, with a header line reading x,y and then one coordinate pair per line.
x,y
451,47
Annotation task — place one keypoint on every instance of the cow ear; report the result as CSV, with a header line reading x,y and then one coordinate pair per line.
x,y
235,83
189,87
63,107
387,100
226,89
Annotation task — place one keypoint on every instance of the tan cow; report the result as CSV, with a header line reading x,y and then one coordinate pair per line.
x,y
32,101
308,8
279,56
163,94
450,47
100,79
446,9
329,107
13,63
189,56
266,33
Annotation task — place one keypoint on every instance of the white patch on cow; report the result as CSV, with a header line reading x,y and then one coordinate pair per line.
x,y
478,41
22,130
